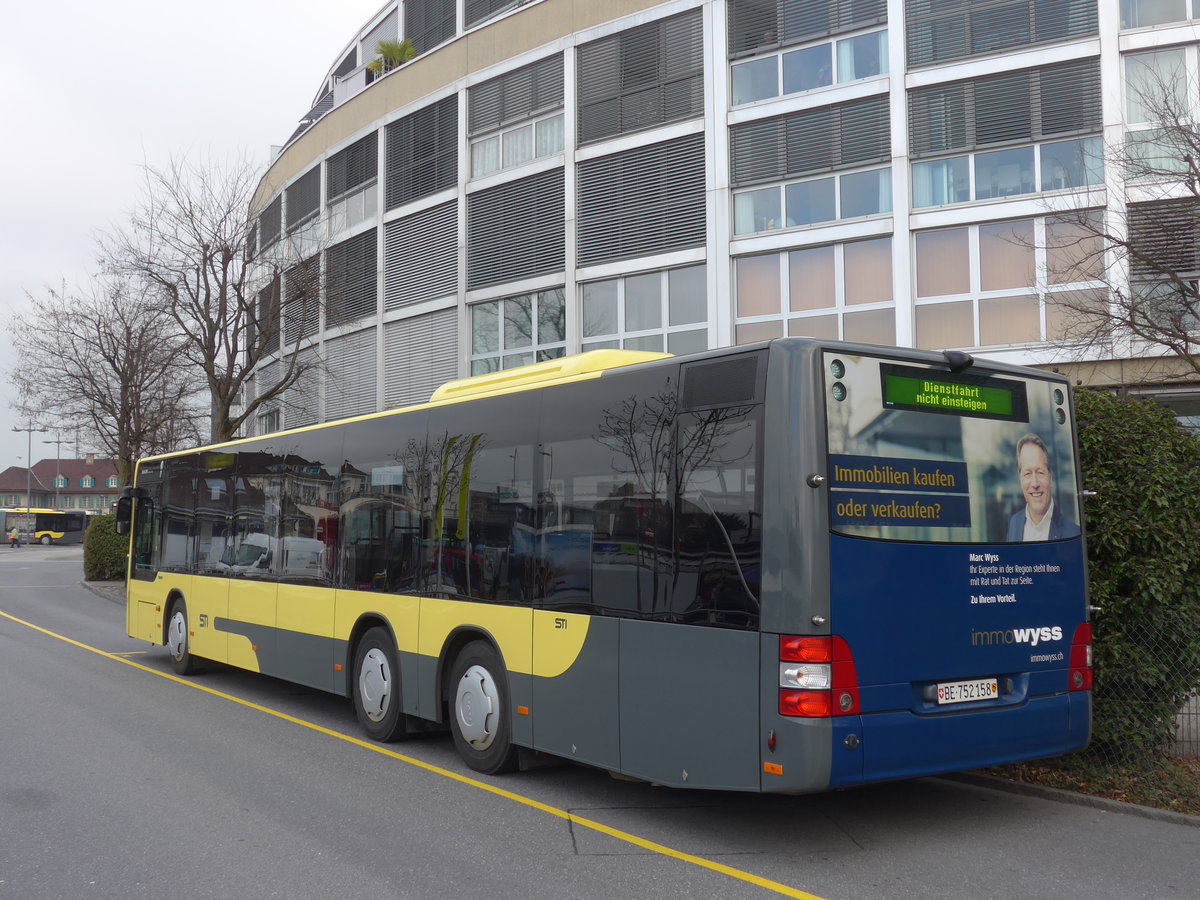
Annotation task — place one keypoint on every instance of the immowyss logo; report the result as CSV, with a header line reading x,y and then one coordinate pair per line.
x,y
1031,636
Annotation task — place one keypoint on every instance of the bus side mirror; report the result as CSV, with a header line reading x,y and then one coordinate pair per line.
x,y
124,515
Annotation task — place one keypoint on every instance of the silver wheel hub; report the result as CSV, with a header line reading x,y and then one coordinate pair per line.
x,y
477,707
177,634
375,684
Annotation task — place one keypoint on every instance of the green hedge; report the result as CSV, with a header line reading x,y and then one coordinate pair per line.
x,y
104,551
1143,539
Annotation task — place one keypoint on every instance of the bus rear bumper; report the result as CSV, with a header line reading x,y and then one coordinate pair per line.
x,y
903,744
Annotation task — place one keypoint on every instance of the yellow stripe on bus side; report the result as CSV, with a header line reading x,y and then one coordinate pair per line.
x,y
629,838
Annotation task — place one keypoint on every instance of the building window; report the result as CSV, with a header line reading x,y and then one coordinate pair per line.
x,y
111,482
797,71
516,117
350,176
938,31
270,223
268,422
519,330
642,201
422,153
302,198
813,201
757,26
517,145
1151,80
657,311
350,279
833,291
1165,267
476,11
87,481
59,481
428,23
641,77
420,256
994,284
1145,13
1048,111
845,136
301,304
517,230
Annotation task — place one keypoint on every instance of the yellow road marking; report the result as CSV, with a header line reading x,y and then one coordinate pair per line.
x,y
635,840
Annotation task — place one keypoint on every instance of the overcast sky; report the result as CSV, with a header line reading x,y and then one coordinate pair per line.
x,y
97,88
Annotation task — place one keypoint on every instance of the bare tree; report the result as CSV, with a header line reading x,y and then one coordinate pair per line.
x,y
104,359
1145,247
192,242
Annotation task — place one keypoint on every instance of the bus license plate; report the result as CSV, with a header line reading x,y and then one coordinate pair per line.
x,y
967,691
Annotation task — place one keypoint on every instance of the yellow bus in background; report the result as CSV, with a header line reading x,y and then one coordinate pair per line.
x,y
45,526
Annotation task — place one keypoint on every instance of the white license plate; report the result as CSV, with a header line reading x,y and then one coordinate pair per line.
x,y
967,691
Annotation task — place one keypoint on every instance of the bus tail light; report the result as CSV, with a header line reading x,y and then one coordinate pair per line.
x,y
1080,678
817,678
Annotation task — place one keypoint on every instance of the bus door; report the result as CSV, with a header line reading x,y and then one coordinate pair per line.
x,y
690,682
251,559
304,565
956,565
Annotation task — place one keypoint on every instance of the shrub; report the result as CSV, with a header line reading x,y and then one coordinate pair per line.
x,y
105,552
1143,538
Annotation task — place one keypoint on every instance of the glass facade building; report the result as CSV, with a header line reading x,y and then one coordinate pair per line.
x,y
550,176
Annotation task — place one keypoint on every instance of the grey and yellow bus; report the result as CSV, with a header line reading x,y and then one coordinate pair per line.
x,y
45,526
782,567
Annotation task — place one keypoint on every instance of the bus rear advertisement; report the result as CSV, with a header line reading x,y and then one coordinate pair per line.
x,y
785,567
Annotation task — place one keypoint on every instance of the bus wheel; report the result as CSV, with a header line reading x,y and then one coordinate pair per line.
x,y
377,687
45,538
480,719
177,640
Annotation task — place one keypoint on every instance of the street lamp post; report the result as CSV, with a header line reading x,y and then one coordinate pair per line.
x,y
58,442
29,430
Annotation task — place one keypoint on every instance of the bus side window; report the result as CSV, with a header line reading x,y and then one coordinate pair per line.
x,y
479,515
606,534
178,549
382,482
719,518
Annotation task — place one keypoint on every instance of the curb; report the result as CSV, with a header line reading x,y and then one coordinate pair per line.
x,y
1059,795
107,590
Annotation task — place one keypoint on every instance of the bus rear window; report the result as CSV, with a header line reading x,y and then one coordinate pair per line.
x,y
920,453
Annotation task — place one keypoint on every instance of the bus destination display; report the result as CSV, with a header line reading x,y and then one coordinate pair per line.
x,y
925,390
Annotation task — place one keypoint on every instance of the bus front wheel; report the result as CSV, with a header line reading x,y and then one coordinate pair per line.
x,y
480,719
377,687
177,640
45,538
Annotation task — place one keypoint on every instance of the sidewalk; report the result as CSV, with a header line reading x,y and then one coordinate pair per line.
x,y
109,590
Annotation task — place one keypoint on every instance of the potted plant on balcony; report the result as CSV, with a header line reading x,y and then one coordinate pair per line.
x,y
390,54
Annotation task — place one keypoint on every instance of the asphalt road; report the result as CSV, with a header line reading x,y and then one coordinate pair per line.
x,y
118,779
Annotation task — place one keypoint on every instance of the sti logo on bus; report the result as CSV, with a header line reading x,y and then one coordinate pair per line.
x,y
1031,636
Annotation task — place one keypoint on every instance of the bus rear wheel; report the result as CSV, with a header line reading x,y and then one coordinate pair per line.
x,y
376,687
177,640
45,538
479,720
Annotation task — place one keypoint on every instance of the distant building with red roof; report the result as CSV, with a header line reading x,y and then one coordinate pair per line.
x,y
88,483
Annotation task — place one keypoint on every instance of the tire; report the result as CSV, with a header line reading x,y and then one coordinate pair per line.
x,y
177,640
45,539
480,717
376,687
